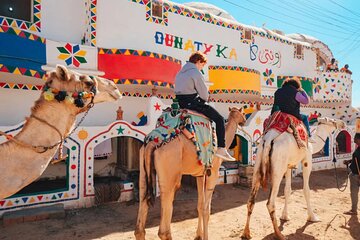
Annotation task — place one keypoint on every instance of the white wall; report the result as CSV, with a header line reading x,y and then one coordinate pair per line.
x,y
63,20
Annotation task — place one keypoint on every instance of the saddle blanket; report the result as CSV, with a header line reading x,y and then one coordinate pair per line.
x,y
284,122
193,126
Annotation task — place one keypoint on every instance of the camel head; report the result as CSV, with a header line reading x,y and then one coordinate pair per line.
x,y
79,89
331,124
238,115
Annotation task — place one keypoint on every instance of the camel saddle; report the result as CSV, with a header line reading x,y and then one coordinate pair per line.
x,y
283,122
193,125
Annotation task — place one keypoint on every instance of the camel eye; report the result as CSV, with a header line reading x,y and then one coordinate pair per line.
x,y
89,84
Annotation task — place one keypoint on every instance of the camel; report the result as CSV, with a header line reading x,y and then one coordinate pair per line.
x,y
171,161
24,157
276,155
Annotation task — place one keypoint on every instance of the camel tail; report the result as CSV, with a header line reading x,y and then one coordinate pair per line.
x,y
150,174
265,165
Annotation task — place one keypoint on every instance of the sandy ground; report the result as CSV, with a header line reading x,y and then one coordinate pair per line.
x,y
117,221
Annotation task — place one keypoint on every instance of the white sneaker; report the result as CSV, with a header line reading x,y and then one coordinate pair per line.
x,y
223,153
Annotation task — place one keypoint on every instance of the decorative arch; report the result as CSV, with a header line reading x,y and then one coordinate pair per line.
x,y
70,193
343,142
117,129
246,143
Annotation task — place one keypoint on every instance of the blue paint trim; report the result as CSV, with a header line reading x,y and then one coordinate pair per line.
x,y
22,52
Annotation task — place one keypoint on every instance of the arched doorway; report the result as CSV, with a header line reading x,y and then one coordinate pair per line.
x,y
343,142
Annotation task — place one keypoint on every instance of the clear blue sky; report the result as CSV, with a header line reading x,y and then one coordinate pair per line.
x,y
334,22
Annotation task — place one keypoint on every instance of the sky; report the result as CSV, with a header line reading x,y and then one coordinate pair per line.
x,y
334,22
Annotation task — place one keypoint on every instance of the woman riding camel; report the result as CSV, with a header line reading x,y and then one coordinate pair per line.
x,y
192,93
288,99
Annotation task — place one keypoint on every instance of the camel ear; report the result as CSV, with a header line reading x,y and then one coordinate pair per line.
x,y
241,110
229,109
62,73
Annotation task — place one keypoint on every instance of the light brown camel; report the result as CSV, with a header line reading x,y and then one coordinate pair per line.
x,y
276,155
170,162
52,117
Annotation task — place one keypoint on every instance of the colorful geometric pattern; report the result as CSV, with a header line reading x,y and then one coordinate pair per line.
x,y
23,34
147,95
143,82
269,77
192,13
72,55
21,86
90,34
234,68
334,87
346,113
237,91
22,71
317,85
151,18
118,129
70,193
138,53
34,26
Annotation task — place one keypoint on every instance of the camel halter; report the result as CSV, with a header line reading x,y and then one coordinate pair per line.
x,y
43,149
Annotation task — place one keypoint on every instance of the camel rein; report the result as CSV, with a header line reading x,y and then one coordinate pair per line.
x,y
43,149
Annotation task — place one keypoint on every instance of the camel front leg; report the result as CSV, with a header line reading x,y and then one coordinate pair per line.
x,y
251,203
307,166
271,204
287,192
200,207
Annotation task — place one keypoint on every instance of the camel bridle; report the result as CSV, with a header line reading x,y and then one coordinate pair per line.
x,y
42,149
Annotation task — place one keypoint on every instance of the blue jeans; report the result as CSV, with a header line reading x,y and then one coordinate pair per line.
x,y
305,120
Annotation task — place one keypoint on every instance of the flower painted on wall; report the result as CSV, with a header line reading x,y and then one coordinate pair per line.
x,y
317,85
268,77
72,55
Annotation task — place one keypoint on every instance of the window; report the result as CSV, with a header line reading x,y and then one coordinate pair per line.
x,y
17,9
157,9
247,34
299,50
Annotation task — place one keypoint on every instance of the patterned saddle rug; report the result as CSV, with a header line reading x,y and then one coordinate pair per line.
x,y
286,122
194,126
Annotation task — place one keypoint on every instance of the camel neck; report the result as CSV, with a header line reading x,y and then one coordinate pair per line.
x,y
230,130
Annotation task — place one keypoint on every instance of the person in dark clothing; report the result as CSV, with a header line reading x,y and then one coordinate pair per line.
x,y
287,99
192,93
354,176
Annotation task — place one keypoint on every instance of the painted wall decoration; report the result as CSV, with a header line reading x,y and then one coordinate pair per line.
x,y
265,56
234,79
137,64
157,12
218,21
332,87
72,54
22,49
269,77
34,26
20,86
90,33
22,71
69,193
191,45
117,129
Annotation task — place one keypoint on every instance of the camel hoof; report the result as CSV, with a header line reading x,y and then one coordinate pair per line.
x,y
245,236
314,219
198,238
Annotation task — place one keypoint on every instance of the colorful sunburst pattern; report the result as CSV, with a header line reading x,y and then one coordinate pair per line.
x,y
72,54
